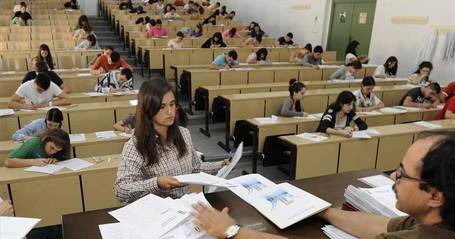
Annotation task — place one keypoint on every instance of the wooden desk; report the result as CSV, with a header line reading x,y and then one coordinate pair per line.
x,y
85,225
383,152
50,196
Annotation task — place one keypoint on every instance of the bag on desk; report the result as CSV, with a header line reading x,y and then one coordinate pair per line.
x,y
218,111
241,134
274,152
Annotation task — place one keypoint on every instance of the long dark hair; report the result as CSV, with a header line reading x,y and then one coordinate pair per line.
x,y
232,32
392,70
61,139
149,104
55,115
345,97
261,54
48,59
294,87
351,48
424,64
218,36
83,19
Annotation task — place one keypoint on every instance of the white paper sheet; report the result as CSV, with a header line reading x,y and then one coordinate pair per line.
x,y
105,134
123,134
225,170
52,107
249,185
84,74
75,164
8,72
317,115
203,179
308,117
267,120
374,112
48,169
16,227
77,138
427,125
335,233
4,112
410,109
93,94
393,110
111,231
373,132
361,134
312,137
377,180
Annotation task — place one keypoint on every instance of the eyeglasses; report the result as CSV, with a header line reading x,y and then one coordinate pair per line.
x,y
400,173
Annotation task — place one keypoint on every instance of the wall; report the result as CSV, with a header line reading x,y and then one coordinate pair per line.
x,y
89,7
278,17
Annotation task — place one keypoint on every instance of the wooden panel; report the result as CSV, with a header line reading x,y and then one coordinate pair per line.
x,y
233,77
392,98
260,77
275,130
100,120
245,109
357,154
255,90
124,112
99,149
97,189
201,57
199,79
8,88
286,75
316,160
327,72
408,117
391,150
380,120
310,74
215,93
8,125
33,199
4,194
307,127
77,85
314,103
273,106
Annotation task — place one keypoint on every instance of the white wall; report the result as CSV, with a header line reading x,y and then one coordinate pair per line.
x,y
89,7
404,40
277,17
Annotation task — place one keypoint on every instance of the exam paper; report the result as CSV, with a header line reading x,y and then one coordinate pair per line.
x,y
203,179
49,169
427,125
267,120
105,134
93,94
377,180
16,227
52,107
4,112
111,231
225,170
84,74
392,110
360,134
335,233
77,137
317,115
75,164
312,137
308,117
411,109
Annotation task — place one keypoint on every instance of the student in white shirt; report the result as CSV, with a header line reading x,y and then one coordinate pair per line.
x,y
176,43
351,53
259,57
366,100
422,75
388,70
38,93
172,15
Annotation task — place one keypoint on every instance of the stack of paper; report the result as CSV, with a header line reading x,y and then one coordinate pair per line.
x,y
410,109
393,110
75,164
283,204
267,120
153,217
335,233
377,180
308,117
427,125
77,138
379,200
16,227
4,112
48,169
312,136
105,134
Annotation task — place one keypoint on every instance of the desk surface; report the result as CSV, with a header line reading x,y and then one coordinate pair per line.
x,y
85,225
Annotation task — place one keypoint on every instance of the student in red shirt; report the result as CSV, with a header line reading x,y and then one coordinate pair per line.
x,y
106,63
448,112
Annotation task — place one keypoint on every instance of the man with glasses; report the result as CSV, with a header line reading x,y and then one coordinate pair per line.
x,y
422,97
424,186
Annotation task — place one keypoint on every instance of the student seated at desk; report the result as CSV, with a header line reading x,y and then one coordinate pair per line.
x,y
230,33
448,112
422,75
127,124
53,120
83,19
172,15
176,43
49,147
366,100
210,20
157,31
38,93
257,31
6,209
351,53
388,70
90,43
346,72
116,81
215,41
44,54
253,41
107,51
298,55
423,187
339,115
422,97
40,67
291,106
158,150
83,33
314,59
225,60
197,31
286,40
230,15
259,57
107,63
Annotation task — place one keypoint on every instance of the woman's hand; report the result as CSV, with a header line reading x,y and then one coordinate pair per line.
x,y
347,132
43,162
168,183
226,162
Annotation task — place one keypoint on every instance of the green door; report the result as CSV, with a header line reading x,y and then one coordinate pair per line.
x,y
351,20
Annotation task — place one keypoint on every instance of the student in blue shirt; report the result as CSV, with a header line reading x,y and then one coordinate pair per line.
x,y
53,120
225,60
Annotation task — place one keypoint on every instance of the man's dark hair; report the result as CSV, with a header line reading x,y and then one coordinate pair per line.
x,y
290,35
43,81
233,54
127,72
435,86
41,66
368,80
115,57
109,48
437,170
318,49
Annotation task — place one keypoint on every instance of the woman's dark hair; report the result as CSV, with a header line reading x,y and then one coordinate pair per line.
x,y
258,38
261,54
368,80
392,70
167,8
147,19
83,19
23,4
219,38
158,22
61,139
232,32
437,170
200,28
127,73
216,13
180,34
140,20
345,97
309,47
356,64
201,10
223,10
295,86
48,59
92,39
149,104
351,48
152,22
87,28
424,64
55,115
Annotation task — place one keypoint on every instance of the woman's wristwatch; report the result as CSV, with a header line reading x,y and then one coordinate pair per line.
x,y
232,231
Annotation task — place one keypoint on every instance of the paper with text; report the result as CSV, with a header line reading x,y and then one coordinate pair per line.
x,y
16,227
48,169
